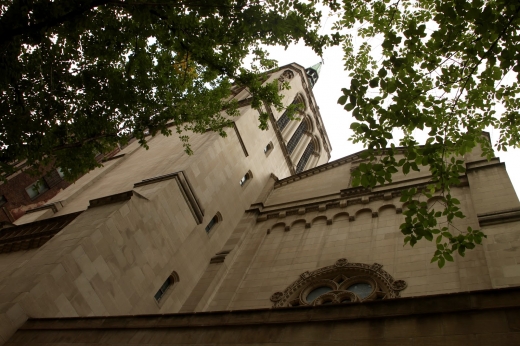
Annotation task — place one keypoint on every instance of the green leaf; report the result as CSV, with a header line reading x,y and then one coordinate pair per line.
x,y
349,106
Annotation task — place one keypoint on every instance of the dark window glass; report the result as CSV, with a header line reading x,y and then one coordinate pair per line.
x,y
305,157
293,142
244,179
362,290
3,200
164,288
284,119
211,224
317,292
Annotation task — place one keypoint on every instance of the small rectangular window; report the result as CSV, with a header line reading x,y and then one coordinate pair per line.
x,y
37,188
3,200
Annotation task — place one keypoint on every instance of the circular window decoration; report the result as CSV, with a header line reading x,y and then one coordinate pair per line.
x,y
341,283
362,289
315,293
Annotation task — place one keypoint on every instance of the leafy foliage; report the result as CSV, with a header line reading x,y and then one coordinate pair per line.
x,y
446,67
78,77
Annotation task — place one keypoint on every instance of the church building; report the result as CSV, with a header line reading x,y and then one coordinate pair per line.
x,y
256,239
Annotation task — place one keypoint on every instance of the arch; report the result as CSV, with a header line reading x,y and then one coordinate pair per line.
x,y
246,178
364,210
284,120
406,204
343,216
268,148
436,199
279,225
318,219
386,207
296,222
300,98
336,283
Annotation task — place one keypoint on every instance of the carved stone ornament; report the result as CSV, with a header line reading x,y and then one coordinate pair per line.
x,y
342,262
288,74
342,282
399,285
276,296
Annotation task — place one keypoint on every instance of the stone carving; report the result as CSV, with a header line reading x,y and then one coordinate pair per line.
x,y
376,266
399,285
341,278
276,296
288,74
342,262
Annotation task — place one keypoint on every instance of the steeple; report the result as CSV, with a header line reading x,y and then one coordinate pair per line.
x,y
313,73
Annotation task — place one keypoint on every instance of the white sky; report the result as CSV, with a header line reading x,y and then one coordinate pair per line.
x,y
337,121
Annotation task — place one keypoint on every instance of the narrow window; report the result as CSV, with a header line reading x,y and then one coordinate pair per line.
x,y
212,223
3,200
245,179
36,188
305,157
268,148
295,139
284,119
168,284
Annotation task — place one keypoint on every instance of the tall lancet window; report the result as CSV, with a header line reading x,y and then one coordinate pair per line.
x,y
295,139
305,157
284,119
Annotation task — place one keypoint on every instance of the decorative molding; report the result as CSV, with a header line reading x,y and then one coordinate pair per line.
x,y
51,206
187,191
34,234
340,276
498,217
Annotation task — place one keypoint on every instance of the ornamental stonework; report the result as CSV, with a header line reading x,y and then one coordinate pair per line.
x,y
342,282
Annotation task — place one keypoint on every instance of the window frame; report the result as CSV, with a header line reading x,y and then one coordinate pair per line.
x,y
42,183
171,282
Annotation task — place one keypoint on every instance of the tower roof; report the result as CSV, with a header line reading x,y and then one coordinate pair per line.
x,y
313,73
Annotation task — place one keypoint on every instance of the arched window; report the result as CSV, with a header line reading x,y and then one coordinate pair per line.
x,y
167,285
340,283
305,157
268,148
295,139
284,119
213,222
246,178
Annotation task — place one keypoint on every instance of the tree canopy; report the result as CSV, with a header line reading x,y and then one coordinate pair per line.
x,y
78,77
448,69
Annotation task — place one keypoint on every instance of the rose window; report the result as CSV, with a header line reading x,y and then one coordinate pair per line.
x,y
340,283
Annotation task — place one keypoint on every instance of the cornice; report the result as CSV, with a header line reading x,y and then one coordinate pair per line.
x,y
345,198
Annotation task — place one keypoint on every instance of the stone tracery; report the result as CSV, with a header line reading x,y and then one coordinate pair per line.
x,y
342,282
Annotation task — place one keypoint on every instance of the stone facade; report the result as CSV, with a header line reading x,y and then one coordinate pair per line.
x,y
234,227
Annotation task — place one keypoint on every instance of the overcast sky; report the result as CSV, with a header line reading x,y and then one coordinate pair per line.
x,y
337,121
